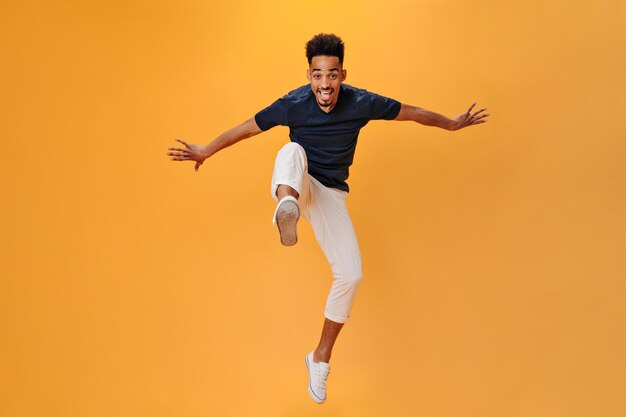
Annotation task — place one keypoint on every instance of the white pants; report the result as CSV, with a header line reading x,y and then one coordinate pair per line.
x,y
325,208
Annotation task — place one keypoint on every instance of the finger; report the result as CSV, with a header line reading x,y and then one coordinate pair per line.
x,y
177,154
179,149
198,165
479,111
182,141
180,158
468,113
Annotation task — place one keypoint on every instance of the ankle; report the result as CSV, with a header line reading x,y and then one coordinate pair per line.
x,y
320,355
285,190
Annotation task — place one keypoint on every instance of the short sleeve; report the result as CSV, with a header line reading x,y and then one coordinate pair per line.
x,y
273,115
383,107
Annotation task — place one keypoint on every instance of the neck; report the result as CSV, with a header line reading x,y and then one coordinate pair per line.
x,y
327,109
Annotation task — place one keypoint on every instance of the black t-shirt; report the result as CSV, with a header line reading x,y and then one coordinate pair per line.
x,y
329,139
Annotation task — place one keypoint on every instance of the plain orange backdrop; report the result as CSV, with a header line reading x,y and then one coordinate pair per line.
x,y
493,256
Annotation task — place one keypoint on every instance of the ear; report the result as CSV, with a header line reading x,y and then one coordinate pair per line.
x,y
308,74
344,74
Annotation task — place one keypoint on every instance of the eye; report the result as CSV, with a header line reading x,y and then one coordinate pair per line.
x,y
316,76
333,76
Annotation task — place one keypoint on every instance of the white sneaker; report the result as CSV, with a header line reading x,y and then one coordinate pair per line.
x,y
318,374
286,218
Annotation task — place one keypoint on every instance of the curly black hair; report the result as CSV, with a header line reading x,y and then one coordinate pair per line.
x,y
325,44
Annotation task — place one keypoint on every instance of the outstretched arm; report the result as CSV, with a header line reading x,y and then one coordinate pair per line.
x,y
199,153
430,118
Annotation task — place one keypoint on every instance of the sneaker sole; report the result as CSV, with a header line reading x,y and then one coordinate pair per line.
x,y
311,393
287,218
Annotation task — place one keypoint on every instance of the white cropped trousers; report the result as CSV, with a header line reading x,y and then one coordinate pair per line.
x,y
325,209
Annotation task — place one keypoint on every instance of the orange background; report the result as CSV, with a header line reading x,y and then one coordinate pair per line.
x,y
493,256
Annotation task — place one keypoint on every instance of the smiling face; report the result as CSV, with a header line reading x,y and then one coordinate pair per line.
x,y
326,75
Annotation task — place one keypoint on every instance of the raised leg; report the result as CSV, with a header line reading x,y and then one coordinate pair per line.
x,y
288,186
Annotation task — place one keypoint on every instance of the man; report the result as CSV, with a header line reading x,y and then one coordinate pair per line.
x,y
310,172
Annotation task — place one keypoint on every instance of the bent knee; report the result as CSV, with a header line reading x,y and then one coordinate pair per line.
x,y
348,271
349,279
292,147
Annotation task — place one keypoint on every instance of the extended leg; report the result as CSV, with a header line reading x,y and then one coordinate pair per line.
x,y
334,232
336,236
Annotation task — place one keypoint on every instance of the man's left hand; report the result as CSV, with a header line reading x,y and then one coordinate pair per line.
x,y
468,118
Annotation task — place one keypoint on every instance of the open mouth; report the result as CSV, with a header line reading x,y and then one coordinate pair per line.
x,y
325,94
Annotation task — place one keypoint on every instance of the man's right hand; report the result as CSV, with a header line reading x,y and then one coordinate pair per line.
x,y
192,152
199,153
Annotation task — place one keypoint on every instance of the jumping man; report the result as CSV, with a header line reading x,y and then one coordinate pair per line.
x,y
310,173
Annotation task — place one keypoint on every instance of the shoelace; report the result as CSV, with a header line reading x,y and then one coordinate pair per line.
x,y
321,377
